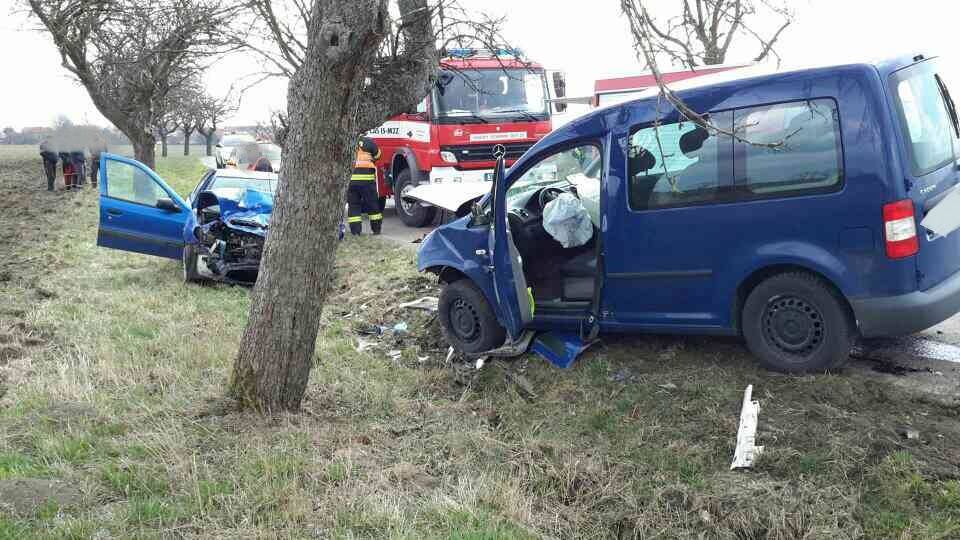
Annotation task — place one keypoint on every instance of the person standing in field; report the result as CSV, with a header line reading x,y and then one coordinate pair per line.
x,y
97,146
49,155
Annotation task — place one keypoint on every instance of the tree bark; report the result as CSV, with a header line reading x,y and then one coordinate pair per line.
x,y
273,363
186,141
163,145
144,151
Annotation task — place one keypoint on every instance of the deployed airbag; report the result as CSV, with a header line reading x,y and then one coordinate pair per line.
x,y
567,221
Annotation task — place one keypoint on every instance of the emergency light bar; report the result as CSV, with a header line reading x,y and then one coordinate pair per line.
x,y
464,53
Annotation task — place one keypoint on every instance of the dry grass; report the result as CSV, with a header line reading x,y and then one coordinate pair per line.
x,y
115,391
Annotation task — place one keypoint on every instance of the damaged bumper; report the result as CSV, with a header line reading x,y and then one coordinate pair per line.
x,y
230,235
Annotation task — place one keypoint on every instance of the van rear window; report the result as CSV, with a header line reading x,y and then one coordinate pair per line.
x,y
791,148
925,119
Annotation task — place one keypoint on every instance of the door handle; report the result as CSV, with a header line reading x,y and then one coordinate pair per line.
x,y
113,212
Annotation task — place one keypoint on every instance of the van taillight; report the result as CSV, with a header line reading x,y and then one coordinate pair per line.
x,y
900,228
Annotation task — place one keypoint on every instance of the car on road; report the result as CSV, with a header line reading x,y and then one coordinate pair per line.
x,y
217,232
816,207
227,144
246,155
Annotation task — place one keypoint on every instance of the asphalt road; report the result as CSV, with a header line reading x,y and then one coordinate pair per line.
x,y
395,230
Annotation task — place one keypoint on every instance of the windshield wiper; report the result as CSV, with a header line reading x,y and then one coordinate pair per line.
x,y
526,114
466,114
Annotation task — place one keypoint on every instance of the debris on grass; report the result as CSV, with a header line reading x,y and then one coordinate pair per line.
x,y
427,303
400,329
746,451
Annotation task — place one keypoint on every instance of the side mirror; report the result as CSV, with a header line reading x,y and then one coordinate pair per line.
x,y
559,89
476,212
167,204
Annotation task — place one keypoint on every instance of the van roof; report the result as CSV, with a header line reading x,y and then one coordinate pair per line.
x,y
751,74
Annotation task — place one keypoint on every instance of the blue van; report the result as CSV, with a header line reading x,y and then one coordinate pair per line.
x,y
823,208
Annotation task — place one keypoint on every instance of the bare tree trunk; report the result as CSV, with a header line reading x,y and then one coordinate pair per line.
x,y
276,352
186,141
144,151
163,145
209,139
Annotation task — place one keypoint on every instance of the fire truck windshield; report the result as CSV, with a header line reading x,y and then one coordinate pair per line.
x,y
495,94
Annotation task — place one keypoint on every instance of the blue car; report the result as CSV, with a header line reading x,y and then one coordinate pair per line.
x,y
218,232
824,208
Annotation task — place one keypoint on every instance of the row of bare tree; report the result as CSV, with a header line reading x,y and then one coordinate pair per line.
x,y
191,109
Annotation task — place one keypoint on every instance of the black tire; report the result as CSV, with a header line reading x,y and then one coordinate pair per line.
x,y
412,214
466,319
190,273
795,323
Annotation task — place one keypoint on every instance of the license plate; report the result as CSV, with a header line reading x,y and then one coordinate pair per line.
x,y
488,177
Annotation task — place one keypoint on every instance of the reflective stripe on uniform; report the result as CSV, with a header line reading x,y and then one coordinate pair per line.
x,y
355,219
363,177
376,217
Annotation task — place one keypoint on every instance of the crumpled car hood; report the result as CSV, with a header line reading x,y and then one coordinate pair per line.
x,y
449,196
249,212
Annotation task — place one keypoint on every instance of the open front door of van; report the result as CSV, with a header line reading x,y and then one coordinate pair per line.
x,y
515,300
516,304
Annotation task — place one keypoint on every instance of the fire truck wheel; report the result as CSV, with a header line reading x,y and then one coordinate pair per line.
x,y
412,214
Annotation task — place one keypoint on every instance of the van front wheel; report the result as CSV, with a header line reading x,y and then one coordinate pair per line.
x,y
795,323
466,319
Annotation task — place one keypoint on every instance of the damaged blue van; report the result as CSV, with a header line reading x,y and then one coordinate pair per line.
x,y
823,207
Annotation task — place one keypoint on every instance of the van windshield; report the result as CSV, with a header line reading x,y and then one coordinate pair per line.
x,y
925,118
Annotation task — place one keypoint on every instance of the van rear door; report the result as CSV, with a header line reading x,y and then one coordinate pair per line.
x,y
931,136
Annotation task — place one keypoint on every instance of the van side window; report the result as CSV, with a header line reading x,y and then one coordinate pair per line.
x,y
679,164
789,148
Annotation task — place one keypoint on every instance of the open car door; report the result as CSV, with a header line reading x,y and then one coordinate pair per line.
x,y
138,211
515,300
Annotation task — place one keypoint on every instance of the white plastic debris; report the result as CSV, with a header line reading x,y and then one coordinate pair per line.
x,y
400,329
450,353
944,218
747,452
567,221
427,303
395,355
480,362
363,345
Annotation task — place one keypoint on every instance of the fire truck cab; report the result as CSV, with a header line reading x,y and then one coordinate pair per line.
x,y
482,98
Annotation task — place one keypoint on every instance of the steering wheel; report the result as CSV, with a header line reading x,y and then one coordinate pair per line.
x,y
547,195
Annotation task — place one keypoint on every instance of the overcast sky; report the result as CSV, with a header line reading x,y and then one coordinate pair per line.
x,y
588,40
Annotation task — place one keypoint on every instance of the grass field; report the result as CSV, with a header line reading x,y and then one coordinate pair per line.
x,y
113,425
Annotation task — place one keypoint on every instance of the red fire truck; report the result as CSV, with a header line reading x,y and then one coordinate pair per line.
x,y
482,98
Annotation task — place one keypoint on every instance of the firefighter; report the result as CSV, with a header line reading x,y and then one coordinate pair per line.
x,y
362,196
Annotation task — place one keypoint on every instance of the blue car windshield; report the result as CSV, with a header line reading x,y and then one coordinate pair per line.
x,y
256,184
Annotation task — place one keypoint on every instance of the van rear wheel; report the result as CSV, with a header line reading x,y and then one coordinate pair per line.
x,y
467,320
796,323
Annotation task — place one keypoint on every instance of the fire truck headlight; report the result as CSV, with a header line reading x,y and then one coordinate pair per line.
x,y
438,180
448,157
